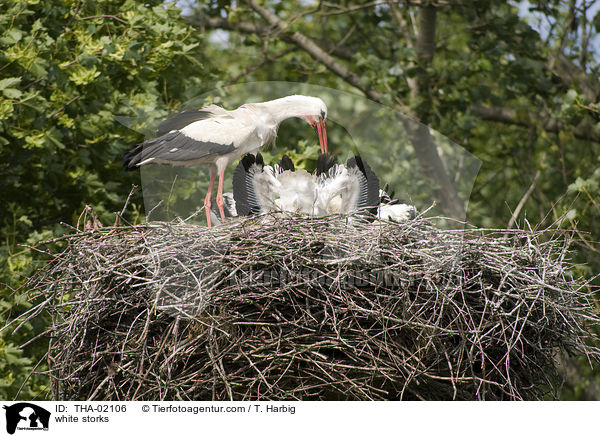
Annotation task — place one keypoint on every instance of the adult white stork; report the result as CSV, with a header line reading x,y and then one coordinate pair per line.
x,y
214,136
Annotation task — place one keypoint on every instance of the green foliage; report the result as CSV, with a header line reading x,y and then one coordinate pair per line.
x,y
487,54
67,68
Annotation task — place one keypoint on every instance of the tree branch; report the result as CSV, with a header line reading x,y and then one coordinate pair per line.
x,y
421,94
256,28
265,60
572,76
564,68
519,207
510,116
424,143
316,52
412,84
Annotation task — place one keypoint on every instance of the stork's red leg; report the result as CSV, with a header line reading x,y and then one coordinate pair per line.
x,y
220,201
207,198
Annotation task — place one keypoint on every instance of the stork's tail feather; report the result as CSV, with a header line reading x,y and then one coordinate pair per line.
x,y
145,151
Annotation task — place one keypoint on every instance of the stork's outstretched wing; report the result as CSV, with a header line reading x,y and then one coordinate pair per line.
x,y
245,192
344,189
368,184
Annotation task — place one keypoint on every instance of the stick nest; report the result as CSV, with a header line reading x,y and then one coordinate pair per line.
x,y
324,308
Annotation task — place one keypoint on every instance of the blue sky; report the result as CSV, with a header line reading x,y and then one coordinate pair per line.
x,y
540,22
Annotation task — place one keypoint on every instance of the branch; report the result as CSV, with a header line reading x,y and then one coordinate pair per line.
x,y
510,116
424,144
564,68
64,106
316,52
265,60
256,28
401,22
114,17
339,9
521,203
573,77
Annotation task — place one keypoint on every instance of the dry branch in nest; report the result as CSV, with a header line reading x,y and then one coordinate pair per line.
x,y
322,308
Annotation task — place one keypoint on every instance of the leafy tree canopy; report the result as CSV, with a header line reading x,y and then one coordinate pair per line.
x,y
515,84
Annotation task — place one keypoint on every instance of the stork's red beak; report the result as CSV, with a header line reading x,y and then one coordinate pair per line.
x,y
321,130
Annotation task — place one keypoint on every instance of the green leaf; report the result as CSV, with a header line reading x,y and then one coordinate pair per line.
x,y
82,76
9,81
12,36
12,93
38,67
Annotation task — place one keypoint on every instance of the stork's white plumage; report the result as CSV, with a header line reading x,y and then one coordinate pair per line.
x,y
345,188
399,212
331,189
394,210
214,136
259,188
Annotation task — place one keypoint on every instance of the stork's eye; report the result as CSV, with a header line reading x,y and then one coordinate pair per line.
x,y
322,114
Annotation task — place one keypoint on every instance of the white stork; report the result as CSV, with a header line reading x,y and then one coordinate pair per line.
x,y
331,189
214,136
394,210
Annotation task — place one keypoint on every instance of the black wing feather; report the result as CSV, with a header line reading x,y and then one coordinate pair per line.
x,y
175,147
259,160
369,184
286,164
324,163
132,158
181,120
243,187
227,207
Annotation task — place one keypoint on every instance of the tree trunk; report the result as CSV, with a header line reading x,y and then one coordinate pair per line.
x,y
422,139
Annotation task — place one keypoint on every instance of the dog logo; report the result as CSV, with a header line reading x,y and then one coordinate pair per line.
x,y
26,416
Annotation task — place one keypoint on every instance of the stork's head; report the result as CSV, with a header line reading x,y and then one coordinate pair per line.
x,y
318,124
313,110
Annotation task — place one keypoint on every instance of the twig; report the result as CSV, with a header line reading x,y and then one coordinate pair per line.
x,y
521,203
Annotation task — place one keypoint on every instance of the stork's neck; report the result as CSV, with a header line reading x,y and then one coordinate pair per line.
x,y
282,109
